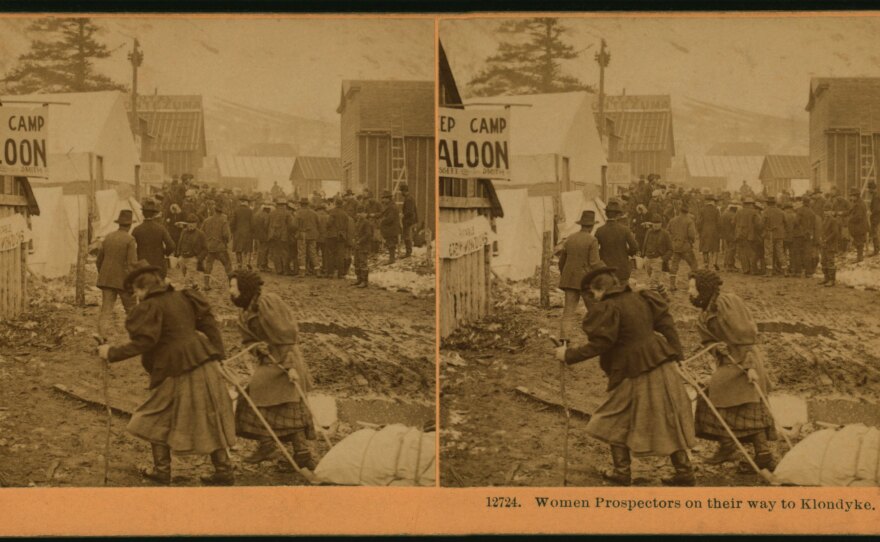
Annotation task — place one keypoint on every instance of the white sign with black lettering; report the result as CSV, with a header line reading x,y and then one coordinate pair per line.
x,y
24,137
474,143
459,239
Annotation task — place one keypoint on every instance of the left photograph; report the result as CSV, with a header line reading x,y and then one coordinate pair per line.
x,y
217,251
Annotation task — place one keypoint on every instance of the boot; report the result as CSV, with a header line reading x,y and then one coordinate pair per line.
x,y
672,283
826,279
763,456
860,253
684,471
366,281
265,451
360,278
207,283
161,471
832,278
223,474
408,246
726,452
304,460
621,474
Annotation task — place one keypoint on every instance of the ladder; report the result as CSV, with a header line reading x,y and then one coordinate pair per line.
x,y
866,159
398,159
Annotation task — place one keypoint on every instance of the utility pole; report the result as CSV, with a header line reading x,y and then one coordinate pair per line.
x,y
136,57
603,57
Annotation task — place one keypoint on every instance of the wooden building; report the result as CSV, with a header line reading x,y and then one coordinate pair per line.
x,y
719,173
783,172
17,205
316,173
175,132
253,173
387,137
466,281
844,132
639,130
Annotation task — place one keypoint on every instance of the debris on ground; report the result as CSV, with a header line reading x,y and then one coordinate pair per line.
x,y
864,275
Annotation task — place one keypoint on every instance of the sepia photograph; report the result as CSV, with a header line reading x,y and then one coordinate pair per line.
x,y
217,251
658,250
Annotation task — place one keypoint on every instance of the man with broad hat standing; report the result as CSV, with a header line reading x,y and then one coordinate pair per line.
x,y
116,256
616,242
154,243
578,256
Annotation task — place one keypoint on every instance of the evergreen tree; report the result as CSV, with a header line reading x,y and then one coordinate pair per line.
x,y
61,59
529,62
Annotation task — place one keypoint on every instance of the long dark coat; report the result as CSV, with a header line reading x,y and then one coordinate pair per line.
x,y
709,228
242,226
154,243
616,245
579,256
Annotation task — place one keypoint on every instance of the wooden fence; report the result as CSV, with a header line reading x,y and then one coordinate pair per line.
x,y
13,268
465,282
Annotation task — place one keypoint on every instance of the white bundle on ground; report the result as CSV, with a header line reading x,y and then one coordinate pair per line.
x,y
395,455
410,281
835,458
865,274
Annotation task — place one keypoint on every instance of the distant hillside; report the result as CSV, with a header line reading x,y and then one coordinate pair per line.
x,y
699,126
234,128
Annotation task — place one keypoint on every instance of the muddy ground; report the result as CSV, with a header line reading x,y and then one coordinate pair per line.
x,y
818,342
372,349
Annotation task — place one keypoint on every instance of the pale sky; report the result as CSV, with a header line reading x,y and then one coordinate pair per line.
x,y
759,63
290,65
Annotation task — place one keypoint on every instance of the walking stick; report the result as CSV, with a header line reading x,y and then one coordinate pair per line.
x,y
305,473
761,472
563,369
105,373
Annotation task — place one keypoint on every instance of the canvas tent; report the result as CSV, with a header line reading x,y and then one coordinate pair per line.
x,y
254,172
573,205
55,230
519,234
89,139
553,140
723,172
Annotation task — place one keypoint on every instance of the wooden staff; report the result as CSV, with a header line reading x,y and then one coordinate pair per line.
x,y
105,374
305,473
563,369
761,472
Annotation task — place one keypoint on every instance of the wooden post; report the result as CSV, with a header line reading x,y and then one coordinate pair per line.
x,y
546,252
81,253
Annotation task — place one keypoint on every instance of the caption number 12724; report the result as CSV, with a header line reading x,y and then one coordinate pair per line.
x,y
502,502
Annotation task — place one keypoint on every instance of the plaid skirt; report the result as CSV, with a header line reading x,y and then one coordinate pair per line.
x,y
285,419
649,414
744,420
190,413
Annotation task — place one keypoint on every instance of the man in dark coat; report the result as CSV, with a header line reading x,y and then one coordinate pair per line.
x,y
683,233
307,232
410,219
154,243
727,229
261,236
389,225
323,220
579,255
803,236
647,411
617,244
293,237
746,233
831,233
362,240
217,237
189,410
656,248
708,227
774,237
857,223
242,225
116,257
191,248
337,239
279,252
790,221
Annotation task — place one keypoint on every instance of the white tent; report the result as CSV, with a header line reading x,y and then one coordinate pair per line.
x,y
519,233
89,137
55,230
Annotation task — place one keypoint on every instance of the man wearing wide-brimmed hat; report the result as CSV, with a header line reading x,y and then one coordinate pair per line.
x,y
154,243
578,256
389,225
116,256
747,233
617,244
189,410
241,224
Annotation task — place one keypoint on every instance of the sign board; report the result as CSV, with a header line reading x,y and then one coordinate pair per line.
x,y
474,144
618,173
24,137
459,239
152,172
13,232
635,103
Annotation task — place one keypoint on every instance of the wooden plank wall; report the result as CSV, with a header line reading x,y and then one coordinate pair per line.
x,y
465,282
13,262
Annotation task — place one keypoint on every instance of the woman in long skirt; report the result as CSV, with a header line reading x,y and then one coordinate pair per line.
x,y
647,411
739,366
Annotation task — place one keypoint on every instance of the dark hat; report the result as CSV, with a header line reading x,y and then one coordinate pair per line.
x,y
403,187
872,185
711,197
304,201
139,268
748,199
656,219
854,192
149,206
613,207
386,194
192,219
125,217
588,218
291,202
588,278
787,205
243,197
159,196
771,200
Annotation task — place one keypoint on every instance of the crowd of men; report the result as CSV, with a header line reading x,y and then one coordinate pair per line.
x,y
198,225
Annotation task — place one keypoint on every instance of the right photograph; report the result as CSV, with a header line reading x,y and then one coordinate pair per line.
x,y
658,250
